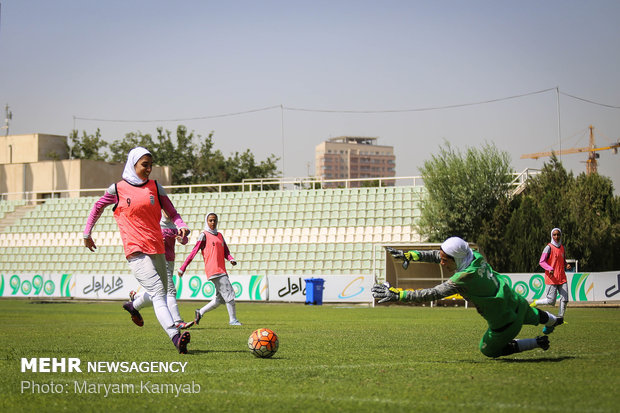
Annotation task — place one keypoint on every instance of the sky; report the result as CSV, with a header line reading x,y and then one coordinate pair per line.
x,y
280,77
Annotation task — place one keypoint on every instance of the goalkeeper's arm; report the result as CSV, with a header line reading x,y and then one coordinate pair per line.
x,y
413,255
427,256
384,293
438,292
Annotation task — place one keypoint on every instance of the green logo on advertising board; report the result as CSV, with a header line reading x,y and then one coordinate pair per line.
x,y
65,285
255,284
196,286
177,284
578,287
26,287
207,288
237,288
536,284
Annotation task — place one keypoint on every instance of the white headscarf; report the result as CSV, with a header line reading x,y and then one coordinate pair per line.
x,y
459,250
556,244
207,228
129,173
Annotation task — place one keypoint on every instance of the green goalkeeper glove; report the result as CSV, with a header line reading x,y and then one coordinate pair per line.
x,y
412,256
405,256
384,293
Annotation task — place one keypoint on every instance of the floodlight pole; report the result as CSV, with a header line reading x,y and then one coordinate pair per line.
x,y
282,133
8,115
557,90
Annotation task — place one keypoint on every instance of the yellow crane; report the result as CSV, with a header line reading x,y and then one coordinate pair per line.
x,y
591,163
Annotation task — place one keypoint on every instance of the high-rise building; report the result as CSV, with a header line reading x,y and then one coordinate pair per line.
x,y
349,157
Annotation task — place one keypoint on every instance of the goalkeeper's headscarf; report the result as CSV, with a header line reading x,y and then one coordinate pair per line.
x,y
459,250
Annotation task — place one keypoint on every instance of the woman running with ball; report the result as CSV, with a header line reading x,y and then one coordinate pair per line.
x,y
138,203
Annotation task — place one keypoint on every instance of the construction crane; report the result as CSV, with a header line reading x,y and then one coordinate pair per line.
x,y
591,163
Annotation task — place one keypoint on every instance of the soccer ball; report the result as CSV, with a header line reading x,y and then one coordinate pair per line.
x,y
263,343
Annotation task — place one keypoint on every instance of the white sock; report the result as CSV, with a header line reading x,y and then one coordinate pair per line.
x,y
142,301
174,308
163,316
232,311
525,344
213,304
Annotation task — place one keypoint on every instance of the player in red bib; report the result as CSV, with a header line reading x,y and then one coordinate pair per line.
x,y
142,299
138,203
554,262
215,253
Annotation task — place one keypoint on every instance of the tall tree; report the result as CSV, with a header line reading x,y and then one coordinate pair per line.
x,y
121,147
543,205
584,208
523,243
493,240
243,166
87,146
463,190
211,164
192,158
595,232
180,156
551,191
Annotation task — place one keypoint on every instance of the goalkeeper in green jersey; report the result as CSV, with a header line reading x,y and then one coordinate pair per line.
x,y
504,310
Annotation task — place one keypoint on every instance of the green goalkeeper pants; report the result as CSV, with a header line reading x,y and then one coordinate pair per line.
x,y
494,341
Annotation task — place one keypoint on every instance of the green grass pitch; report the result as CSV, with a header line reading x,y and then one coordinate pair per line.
x,y
331,358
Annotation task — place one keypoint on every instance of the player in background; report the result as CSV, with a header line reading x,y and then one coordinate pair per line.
x,y
138,203
554,262
170,234
504,310
215,252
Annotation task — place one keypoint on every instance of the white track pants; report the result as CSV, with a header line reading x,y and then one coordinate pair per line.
x,y
144,299
225,293
150,271
552,293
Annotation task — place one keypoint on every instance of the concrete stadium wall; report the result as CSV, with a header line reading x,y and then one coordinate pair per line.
x,y
73,175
